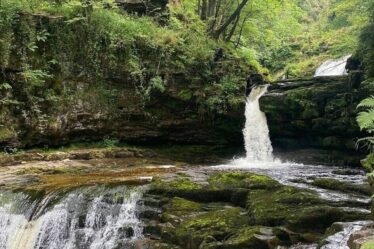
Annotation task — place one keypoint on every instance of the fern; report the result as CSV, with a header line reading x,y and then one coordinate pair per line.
x,y
367,103
365,120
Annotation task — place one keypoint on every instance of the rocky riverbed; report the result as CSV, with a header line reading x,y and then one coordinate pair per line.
x,y
181,204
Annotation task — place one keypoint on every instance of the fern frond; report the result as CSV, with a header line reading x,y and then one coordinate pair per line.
x,y
365,143
367,103
366,119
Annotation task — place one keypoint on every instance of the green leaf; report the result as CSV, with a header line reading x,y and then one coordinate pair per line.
x,y
367,103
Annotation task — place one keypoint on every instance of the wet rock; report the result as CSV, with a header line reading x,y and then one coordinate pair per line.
x,y
349,172
127,232
333,184
361,239
269,214
151,201
335,228
82,221
316,113
152,228
299,210
124,154
149,213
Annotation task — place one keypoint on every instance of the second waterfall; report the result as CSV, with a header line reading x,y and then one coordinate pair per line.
x,y
256,132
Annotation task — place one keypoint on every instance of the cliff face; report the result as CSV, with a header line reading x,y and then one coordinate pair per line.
x,y
315,113
93,113
86,74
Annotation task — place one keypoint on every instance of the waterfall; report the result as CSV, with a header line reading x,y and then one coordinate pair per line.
x,y
256,132
88,218
333,67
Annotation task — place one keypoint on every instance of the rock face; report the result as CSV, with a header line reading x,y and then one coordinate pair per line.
x,y
238,210
137,89
90,116
317,113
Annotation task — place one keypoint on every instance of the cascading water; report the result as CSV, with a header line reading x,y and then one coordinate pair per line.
x,y
88,218
333,67
256,132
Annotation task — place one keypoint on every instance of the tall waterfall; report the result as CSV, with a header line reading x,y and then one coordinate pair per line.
x,y
88,218
256,132
333,67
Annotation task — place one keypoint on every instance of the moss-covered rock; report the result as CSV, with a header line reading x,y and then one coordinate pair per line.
x,y
315,113
299,210
234,180
217,224
236,210
368,163
185,188
333,184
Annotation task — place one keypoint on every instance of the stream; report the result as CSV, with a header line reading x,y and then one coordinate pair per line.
x,y
102,216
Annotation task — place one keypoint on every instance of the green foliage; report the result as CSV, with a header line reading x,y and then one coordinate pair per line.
x,y
330,30
155,84
368,164
368,245
110,143
365,120
35,77
51,43
366,45
185,95
5,86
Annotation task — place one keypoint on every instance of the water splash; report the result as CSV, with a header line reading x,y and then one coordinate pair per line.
x,y
333,67
89,218
256,132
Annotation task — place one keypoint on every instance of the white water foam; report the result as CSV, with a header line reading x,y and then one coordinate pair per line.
x,y
333,67
256,132
79,220
259,151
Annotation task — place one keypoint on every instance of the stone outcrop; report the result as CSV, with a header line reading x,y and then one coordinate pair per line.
x,y
315,113
237,210
91,116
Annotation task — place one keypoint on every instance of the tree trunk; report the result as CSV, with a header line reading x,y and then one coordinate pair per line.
x,y
233,28
232,18
203,14
241,30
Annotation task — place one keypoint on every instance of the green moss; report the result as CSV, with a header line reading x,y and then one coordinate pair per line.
x,y
334,184
368,245
248,238
6,134
233,180
217,224
179,207
368,163
300,210
179,184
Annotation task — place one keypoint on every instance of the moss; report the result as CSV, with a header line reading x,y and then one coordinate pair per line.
x,y
368,163
368,245
179,184
299,210
33,195
216,224
334,184
247,238
6,134
241,180
179,207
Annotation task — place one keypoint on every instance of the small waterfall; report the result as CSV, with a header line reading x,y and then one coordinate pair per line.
x,y
88,218
256,132
333,67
